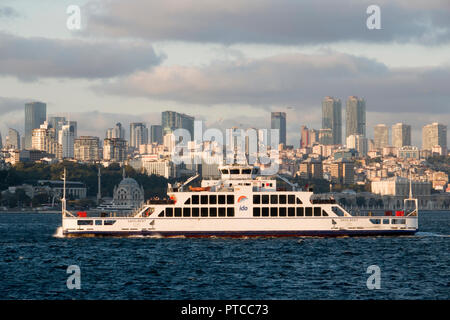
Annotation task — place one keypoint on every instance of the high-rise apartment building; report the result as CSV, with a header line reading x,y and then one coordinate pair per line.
x,y
278,121
66,138
118,132
434,134
304,134
355,116
13,139
114,149
401,135
381,136
44,139
171,120
138,134
156,134
86,148
332,118
35,115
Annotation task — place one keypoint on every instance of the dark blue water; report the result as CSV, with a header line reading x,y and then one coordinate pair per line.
x,y
33,265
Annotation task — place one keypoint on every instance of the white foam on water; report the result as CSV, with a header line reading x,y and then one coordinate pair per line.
x,y
59,233
431,234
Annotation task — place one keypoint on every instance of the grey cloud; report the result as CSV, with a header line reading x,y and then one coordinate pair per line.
x,y
31,58
269,21
296,80
9,105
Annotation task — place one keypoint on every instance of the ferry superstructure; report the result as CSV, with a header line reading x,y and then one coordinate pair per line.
x,y
241,203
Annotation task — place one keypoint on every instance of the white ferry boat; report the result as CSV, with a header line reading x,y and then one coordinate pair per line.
x,y
241,203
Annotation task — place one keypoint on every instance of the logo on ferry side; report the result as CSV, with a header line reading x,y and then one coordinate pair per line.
x,y
242,198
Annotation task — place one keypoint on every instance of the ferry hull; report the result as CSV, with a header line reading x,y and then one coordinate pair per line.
x,y
243,234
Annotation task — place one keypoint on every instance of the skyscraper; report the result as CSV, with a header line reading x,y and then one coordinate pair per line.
x,y
138,134
304,140
116,133
56,123
332,118
66,140
434,134
13,139
278,121
35,115
381,136
156,134
355,116
171,120
401,135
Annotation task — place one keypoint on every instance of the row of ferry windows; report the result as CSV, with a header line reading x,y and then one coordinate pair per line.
x,y
198,212
275,199
289,212
211,199
257,199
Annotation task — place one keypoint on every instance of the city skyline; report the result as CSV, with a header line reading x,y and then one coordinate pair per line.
x,y
171,120
146,132
236,73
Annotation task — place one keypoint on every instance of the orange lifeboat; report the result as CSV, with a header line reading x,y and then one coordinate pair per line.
x,y
198,189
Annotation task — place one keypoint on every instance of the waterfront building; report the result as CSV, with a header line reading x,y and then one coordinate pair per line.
x,y
400,186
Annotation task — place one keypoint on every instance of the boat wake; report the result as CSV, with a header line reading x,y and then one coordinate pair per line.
x,y
59,233
431,234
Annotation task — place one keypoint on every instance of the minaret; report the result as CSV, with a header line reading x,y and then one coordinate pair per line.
x,y
99,193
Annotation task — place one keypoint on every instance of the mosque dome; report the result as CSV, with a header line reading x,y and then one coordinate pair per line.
x,y
128,193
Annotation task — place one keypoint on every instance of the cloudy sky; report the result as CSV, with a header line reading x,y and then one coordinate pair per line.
x,y
229,63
